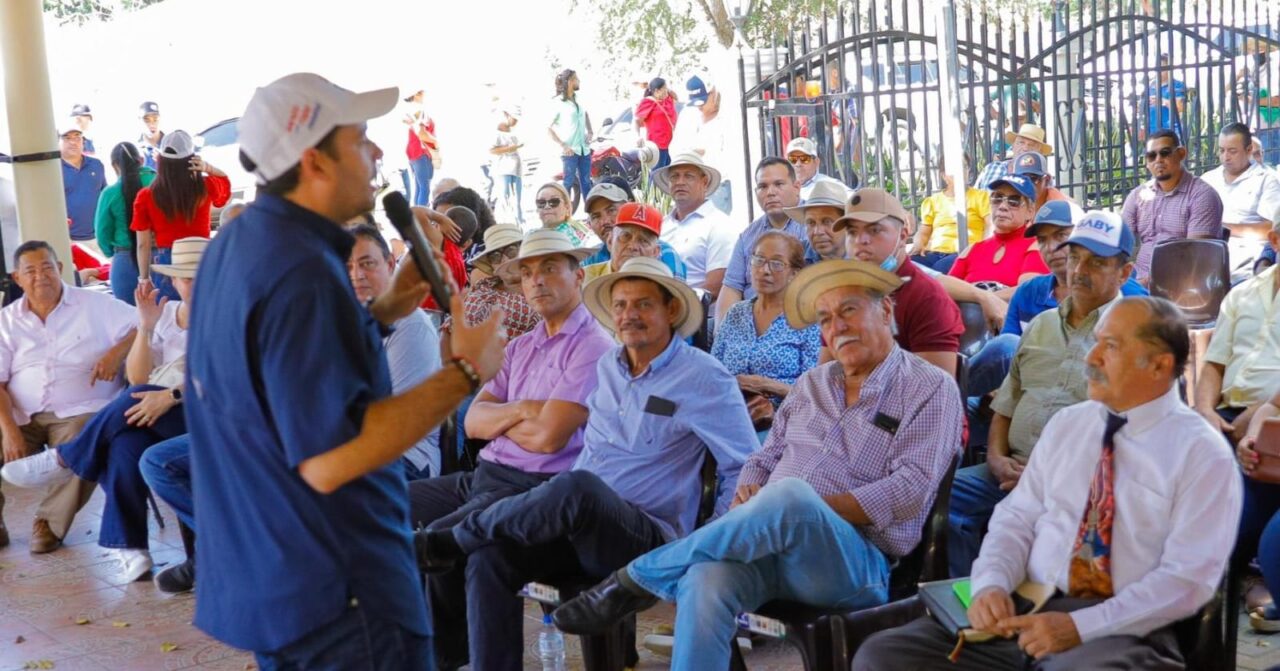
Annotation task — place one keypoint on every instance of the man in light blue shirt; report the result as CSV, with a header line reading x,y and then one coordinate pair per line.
x,y
660,409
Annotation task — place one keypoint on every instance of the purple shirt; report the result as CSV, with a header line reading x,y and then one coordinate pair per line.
x,y
893,471
1192,209
541,368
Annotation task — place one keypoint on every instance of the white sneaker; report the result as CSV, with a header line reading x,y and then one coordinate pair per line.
x,y
37,470
133,563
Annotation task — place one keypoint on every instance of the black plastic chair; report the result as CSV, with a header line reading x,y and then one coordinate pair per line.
x,y
976,330
821,633
706,334
1194,274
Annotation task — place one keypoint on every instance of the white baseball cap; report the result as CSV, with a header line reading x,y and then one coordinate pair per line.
x,y
294,113
177,145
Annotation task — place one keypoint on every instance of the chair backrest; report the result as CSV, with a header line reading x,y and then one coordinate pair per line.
x,y
707,504
1194,274
928,561
976,332
706,331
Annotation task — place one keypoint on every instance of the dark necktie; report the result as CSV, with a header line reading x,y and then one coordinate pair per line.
x,y
1090,574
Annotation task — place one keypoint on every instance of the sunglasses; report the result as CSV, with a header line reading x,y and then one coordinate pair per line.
x,y
498,255
1165,152
1012,201
550,202
800,159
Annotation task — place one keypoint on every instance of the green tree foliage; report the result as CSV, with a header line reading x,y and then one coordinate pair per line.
x,y
79,12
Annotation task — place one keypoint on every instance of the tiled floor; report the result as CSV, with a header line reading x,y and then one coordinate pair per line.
x,y
68,611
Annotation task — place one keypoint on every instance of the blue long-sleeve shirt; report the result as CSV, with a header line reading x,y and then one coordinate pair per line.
x,y
648,435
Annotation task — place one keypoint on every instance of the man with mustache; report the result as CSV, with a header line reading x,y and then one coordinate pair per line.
x,y
839,491
1128,507
1173,204
777,189
1046,375
661,408
532,413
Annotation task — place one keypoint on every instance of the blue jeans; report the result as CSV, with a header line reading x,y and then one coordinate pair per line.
x,y
423,171
163,282
166,467
577,169
513,193
124,275
107,451
939,261
974,495
785,543
358,639
990,366
1260,530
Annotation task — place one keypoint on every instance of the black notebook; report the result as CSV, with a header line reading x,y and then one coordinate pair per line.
x,y
944,604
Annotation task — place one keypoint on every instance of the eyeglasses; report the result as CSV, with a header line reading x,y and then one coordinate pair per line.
x,y
774,265
1164,152
800,159
550,202
498,255
1012,201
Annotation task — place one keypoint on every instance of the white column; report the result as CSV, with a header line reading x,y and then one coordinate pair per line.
x,y
952,126
42,210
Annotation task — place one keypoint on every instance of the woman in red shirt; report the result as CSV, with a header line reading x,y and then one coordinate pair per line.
x,y
656,116
176,205
1010,256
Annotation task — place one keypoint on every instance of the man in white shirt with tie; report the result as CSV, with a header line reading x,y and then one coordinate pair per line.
x,y
1129,506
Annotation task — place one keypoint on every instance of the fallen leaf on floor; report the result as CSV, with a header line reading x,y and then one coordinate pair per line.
x,y
82,620
19,640
119,625
38,664
1262,644
168,647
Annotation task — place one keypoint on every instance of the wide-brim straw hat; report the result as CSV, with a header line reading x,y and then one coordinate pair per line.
x,y
826,193
597,293
186,253
800,302
495,238
546,242
1031,132
648,154
662,177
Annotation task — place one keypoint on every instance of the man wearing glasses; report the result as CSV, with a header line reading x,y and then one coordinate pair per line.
x,y
802,153
1173,204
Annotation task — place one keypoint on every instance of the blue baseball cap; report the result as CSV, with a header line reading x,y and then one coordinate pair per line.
x,y
1102,233
1053,213
1030,163
1021,184
697,90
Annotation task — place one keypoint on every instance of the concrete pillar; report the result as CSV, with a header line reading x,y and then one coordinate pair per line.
x,y
952,125
42,210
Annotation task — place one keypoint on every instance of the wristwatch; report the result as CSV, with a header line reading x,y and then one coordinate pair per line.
x,y
176,394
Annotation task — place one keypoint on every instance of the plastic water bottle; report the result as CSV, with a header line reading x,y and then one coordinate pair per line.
x,y
550,646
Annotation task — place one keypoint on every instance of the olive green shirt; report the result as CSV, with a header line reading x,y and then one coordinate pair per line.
x,y
110,223
1047,375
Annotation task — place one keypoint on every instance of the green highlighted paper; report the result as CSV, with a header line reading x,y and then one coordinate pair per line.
x,y
961,588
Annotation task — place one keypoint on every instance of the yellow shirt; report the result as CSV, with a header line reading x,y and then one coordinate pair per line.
x,y
939,213
1246,341
596,270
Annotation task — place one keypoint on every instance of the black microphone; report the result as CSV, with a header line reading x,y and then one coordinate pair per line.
x,y
397,209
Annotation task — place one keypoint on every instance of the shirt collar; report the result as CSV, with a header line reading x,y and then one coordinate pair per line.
x,y
1064,308
572,324
68,298
1149,414
674,216
322,227
1183,184
879,377
659,362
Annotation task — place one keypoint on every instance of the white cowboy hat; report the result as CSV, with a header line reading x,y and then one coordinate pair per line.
x,y
826,193
801,298
597,293
663,182
545,242
185,253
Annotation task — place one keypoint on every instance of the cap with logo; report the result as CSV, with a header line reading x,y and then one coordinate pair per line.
x,y
146,108
871,205
1053,213
81,109
1102,233
803,145
1025,187
294,113
177,145
638,214
1030,164
697,90
607,191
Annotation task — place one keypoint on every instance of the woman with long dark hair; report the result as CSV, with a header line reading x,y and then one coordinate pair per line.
x,y
656,119
176,205
115,214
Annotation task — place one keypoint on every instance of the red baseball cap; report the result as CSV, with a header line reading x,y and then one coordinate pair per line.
x,y
639,214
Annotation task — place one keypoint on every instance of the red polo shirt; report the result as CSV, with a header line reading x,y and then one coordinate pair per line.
x,y
659,118
927,319
978,263
148,217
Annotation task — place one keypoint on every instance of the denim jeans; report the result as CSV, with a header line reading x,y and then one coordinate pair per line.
x,y
423,171
124,275
1260,530
990,366
513,194
166,466
107,451
577,169
358,639
785,543
163,282
974,495
939,261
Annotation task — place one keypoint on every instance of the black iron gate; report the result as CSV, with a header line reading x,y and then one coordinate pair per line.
x,y
1098,75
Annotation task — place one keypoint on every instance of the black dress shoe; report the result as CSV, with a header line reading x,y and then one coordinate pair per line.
x,y
436,549
595,610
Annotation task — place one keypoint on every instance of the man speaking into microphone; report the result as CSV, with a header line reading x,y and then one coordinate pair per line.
x,y
301,505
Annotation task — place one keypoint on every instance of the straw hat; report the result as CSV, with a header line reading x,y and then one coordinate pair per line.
x,y
546,242
663,181
1031,132
648,154
495,238
186,256
597,294
801,299
826,193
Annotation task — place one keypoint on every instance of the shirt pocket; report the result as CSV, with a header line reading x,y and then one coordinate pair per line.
x,y
655,432
1144,513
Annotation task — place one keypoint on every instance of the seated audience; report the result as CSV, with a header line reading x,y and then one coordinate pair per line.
x,y
450,233
776,191
700,233
500,288
166,468
447,193
1047,373
636,484
802,154
108,448
837,494
819,214
1008,258
928,322
1029,137
61,353
1128,507
1250,194
1174,204
1033,166
412,349
755,342
555,209
640,238
937,240
532,413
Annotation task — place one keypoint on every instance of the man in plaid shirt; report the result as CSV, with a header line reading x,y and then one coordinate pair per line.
x,y
839,491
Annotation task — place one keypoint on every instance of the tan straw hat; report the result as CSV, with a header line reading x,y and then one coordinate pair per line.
x,y
597,293
1031,132
546,242
801,299
186,253
826,193
663,180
